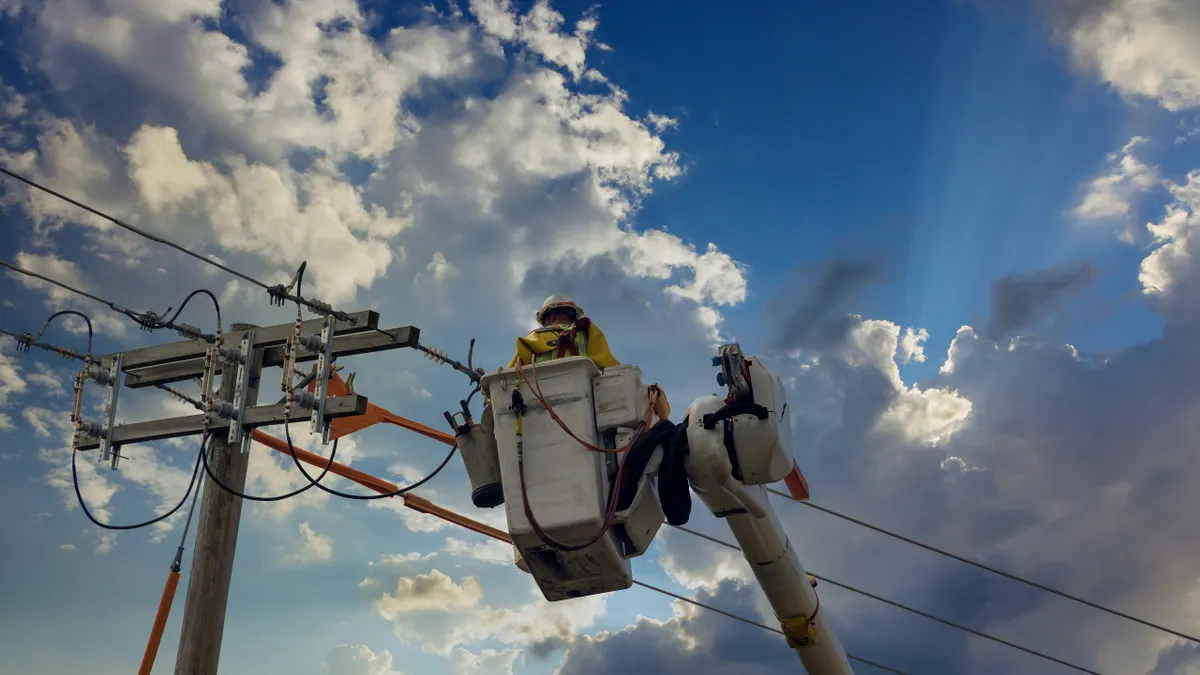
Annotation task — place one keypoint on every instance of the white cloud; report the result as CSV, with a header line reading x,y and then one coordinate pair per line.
x,y
359,660
11,383
1111,195
66,547
661,122
40,419
403,558
696,563
507,161
1176,239
486,662
1140,47
441,614
912,345
314,548
46,379
540,30
253,206
492,550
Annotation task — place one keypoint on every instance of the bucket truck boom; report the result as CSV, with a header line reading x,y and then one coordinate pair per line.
x,y
572,454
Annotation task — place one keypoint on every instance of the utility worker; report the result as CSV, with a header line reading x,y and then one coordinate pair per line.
x,y
563,331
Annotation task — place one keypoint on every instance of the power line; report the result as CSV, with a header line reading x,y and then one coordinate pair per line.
x,y
148,320
68,353
754,623
279,293
906,608
988,568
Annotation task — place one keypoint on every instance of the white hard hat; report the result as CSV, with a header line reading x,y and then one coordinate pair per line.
x,y
558,301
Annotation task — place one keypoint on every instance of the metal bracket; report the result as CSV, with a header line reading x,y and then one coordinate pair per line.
x,y
244,363
322,387
733,372
110,413
107,377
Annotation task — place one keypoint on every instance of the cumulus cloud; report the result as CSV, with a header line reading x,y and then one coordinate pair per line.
x,y
1142,48
441,613
46,379
359,660
1111,195
313,548
692,641
11,383
492,550
912,346
1020,455
1170,272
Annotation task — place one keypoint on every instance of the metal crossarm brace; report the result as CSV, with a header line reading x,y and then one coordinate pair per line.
x,y
245,364
322,388
107,449
108,376
254,417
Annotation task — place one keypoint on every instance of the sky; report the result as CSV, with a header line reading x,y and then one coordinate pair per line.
x,y
965,234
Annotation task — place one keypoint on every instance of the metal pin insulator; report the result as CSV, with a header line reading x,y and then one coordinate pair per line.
x,y
189,331
91,428
304,399
223,409
99,375
312,343
231,354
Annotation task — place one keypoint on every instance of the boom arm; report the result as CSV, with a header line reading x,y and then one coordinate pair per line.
x,y
737,445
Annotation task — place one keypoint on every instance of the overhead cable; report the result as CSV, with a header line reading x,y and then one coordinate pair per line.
x,y
149,320
279,293
906,608
988,568
754,623
156,519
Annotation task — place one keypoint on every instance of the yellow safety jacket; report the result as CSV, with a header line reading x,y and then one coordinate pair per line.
x,y
583,338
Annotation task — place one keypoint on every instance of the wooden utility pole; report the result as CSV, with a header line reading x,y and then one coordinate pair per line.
x,y
216,540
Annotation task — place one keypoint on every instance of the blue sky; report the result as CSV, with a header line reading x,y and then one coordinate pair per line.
x,y
911,211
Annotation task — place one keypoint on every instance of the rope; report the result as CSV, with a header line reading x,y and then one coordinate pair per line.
x,y
610,514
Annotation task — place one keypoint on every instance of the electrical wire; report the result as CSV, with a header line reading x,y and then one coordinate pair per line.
x,y
157,519
71,312
148,320
754,623
203,459
988,568
298,280
27,340
906,608
205,291
278,292
298,491
347,495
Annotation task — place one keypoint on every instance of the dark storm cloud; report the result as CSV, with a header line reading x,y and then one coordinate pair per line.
x,y
723,646
1179,659
1020,300
818,300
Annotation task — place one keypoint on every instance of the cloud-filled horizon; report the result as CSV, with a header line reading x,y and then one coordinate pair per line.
x,y
966,235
